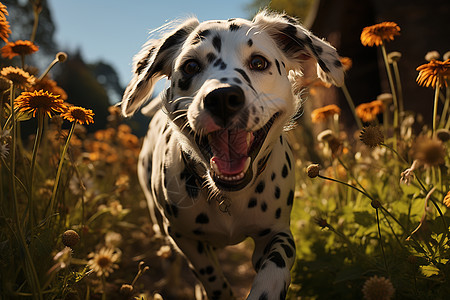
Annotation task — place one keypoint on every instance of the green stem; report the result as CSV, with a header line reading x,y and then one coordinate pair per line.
x,y
445,109
381,241
58,173
35,26
352,105
399,86
37,142
394,93
436,100
54,62
349,185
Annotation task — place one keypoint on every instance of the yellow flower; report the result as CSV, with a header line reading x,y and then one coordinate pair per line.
x,y
20,47
104,261
432,72
5,31
379,33
322,114
19,77
79,115
369,111
44,102
49,85
346,63
447,199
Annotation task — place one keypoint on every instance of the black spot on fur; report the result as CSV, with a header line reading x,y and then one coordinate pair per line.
x,y
283,295
202,272
223,80
173,40
200,36
200,247
210,57
168,136
284,66
220,63
263,296
319,49
244,75
142,64
212,278
237,80
264,206
209,270
250,42
287,250
256,120
278,213
277,192
198,232
281,139
185,83
323,66
217,43
190,183
217,293
288,159
276,258
290,20
284,172
278,66
272,177
252,202
260,187
202,219
234,27
337,63
291,241
264,232
231,19
172,210
290,199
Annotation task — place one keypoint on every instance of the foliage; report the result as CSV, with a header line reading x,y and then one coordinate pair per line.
x,y
375,213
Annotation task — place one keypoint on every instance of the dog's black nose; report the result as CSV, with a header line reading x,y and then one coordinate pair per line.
x,y
224,103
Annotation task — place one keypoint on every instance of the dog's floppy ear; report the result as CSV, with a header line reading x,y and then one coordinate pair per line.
x,y
299,45
153,62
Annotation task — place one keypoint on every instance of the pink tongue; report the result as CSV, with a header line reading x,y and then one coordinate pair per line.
x,y
230,150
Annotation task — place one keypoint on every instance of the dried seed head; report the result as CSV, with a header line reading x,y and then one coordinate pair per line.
x,y
432,55
70,238
313,170
394,56
126,290
371,136
378,288
443,134
61,56
375,204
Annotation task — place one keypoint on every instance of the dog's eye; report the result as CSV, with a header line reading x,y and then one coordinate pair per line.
x,y
258,63
191,67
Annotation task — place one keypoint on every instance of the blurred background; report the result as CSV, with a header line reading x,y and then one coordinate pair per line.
x,y
102,36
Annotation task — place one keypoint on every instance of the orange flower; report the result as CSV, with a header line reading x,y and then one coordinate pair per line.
x,y
447,200
377,34
44,102
367,112
79,115
5,31
49,85
346,63
20,47
18,76
3,11
432,72
322,114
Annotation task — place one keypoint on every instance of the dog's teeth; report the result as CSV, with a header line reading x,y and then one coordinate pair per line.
x,y
215,168
247,164
249,138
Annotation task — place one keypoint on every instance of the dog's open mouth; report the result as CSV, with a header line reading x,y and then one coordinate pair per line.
x,y
230,153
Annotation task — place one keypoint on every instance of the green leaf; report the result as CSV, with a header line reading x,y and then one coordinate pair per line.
x,y
429,270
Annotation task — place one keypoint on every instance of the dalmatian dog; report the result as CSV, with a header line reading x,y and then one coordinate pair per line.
x,y
216,165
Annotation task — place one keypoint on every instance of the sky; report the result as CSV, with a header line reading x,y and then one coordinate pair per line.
x,y
113,31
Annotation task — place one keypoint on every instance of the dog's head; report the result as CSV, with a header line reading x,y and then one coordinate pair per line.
x,y
230,93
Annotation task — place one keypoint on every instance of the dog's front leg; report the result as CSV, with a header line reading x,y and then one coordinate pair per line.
x,y
272,259
203,262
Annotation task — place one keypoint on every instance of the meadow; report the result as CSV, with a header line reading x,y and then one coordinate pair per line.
x,y
370,217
